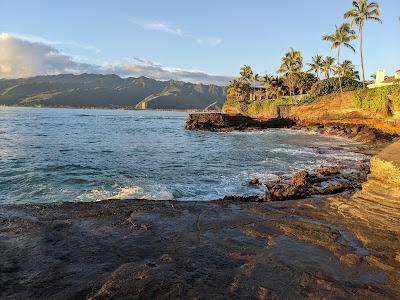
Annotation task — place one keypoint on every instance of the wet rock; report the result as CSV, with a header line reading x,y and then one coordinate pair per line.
x,y
138,281
337,187
225,122
254,181
327,170
301,178
241,198
325,180
296,187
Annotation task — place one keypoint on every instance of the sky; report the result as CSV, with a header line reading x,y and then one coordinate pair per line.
x,y
198,41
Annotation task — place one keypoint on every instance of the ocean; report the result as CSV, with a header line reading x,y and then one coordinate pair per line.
x,y
59,154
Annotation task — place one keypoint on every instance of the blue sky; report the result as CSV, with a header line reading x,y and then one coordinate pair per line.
x,y
212,37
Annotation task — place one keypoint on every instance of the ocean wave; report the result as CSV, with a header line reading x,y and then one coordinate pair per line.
x,y
100,194
126,192
292,151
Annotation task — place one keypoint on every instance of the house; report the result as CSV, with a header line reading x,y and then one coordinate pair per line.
x,y
382,80
257,91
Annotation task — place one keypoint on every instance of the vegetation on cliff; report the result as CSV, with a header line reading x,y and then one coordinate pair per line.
x,y
334,85
378,99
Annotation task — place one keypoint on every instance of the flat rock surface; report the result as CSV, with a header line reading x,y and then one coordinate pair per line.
x,y
331,248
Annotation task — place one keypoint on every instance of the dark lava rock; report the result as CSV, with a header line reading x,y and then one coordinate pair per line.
x,y
254,181
224,122
241,198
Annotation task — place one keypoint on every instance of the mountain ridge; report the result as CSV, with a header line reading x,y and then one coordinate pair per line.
x,y
95,90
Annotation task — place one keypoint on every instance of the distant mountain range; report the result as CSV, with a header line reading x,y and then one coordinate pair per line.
x,y
92,90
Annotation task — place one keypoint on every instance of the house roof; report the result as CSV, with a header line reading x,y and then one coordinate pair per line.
x,y
257,85
389,79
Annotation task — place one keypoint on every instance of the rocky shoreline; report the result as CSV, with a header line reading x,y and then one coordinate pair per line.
x,y
342,246
226,123
375,138
325,180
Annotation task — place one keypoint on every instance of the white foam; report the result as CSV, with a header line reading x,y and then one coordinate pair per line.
x,y
158,192
127,192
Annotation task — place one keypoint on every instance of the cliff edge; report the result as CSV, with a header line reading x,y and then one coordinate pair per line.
x,y
383,184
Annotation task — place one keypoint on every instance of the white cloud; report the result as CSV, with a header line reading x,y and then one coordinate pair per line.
x,y
143,67
175,30
165,27
24,58
39,39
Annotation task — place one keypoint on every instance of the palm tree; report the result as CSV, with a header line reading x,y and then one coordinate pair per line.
x,y
327,66
363,11
246,74
234,88
347,69
255,79
274,86
267,82
316,65
292,63
277,88
342,36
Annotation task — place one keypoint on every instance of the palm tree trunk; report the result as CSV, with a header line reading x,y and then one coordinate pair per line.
x,y
361,54
291,85
338,66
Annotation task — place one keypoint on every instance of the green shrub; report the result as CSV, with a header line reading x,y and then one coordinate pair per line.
x,y
374,99
258,107
307,100
331,85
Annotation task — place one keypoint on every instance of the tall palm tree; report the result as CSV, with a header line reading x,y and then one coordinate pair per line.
x,y
363,11
292,63
246,76
327,66
342,37
316,65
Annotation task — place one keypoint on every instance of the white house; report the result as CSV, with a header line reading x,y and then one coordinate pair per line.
x,y
382,80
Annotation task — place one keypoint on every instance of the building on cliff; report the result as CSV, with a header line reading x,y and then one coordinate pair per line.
x,y
382,80
258,92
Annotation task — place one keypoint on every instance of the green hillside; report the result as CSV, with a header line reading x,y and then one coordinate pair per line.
x,y
91,90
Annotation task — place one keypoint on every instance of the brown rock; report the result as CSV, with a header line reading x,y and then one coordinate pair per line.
x,y
327,170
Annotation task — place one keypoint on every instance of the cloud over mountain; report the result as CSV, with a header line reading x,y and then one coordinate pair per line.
x,y
23,58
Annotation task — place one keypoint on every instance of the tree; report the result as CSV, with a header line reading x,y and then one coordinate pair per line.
x,y
342,37
347,69
274,86
304,82
363,11
316,65
255,79
292,63
246,74
234,88
327,66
